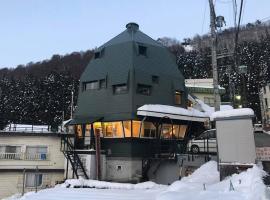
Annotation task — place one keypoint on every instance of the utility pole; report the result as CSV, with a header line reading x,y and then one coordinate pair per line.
x,y
214,55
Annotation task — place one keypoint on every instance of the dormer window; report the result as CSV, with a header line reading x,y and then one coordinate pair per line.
x,y
97,55
142,50
93,85
177,98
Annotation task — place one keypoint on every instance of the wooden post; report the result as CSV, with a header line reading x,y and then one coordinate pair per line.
x,y
98,171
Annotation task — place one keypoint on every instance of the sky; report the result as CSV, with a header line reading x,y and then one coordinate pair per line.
x,y
34,30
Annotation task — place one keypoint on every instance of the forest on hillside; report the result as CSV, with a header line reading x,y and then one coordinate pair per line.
x,y
40,93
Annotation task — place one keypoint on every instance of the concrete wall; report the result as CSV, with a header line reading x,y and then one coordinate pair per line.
x,y
124,169
11,182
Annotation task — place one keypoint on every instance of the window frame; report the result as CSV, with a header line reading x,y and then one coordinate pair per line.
x,y
177,93
35,174
142,50
155,79
123,91
89,82
140,86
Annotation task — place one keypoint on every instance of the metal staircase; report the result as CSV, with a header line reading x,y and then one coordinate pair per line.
x,y
68,149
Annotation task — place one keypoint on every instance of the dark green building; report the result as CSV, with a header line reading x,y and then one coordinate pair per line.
x,y
130,71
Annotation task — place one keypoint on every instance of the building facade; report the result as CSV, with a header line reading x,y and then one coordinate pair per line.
x,y
29,160
130,71
203,89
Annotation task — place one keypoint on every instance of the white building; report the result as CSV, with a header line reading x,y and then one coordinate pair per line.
x,y
203,89
30,156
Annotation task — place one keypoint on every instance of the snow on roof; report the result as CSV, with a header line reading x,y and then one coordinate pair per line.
x,y
27,128
232,113
171,110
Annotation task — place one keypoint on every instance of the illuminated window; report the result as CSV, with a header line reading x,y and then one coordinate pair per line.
x,y
177,98
79,130
127,128
144,89
174,131
120,89
136,128
148,130
113,129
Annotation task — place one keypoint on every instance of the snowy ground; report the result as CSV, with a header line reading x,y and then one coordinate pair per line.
x,y
203,184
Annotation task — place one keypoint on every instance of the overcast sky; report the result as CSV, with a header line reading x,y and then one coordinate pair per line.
x,y
34,30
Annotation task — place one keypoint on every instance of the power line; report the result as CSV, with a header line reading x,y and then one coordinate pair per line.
x,y
205,5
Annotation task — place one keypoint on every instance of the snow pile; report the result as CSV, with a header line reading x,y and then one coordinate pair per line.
x,y
207,174
204,185
75,183
172,110
232,113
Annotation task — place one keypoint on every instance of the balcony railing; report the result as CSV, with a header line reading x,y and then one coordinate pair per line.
x,y
24,156
11,156
37,156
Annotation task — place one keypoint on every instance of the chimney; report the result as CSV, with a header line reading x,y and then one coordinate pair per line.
x,y
132,26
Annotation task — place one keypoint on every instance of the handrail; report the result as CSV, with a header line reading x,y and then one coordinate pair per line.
x,y
24,156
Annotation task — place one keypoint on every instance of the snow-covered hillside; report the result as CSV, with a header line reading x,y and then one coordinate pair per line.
x,y
203,184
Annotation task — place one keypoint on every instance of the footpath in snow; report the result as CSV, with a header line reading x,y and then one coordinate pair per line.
x,y
203,184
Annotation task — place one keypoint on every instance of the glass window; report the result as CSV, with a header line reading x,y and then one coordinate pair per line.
x,y
33,180
97,55
169,131
155,79
142,50
78,131
93,85
182,131
120,89
144,89
127,128
36,152
102,83
177,98
113,129
136,128
12,149
148,130
266,102
166,131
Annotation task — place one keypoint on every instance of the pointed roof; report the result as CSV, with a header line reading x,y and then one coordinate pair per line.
x,y
132,33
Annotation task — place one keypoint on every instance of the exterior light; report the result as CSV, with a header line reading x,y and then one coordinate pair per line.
x,y
240,106
238,97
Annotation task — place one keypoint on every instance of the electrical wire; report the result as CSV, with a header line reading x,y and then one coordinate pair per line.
x,y
205,6
237,33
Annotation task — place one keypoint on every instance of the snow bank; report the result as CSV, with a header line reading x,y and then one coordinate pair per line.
x,y
109,185
203,185
232,113
206,174
171,110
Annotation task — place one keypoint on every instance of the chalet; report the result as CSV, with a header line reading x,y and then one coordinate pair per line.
x,y
133,102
